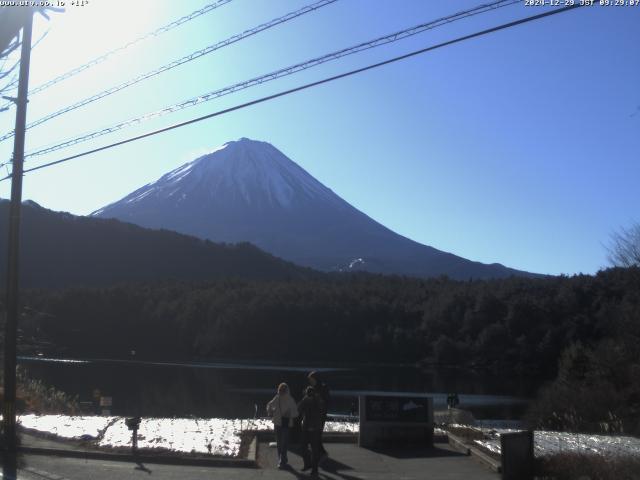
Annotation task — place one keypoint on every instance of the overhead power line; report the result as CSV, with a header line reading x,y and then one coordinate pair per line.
x,y
165,28
307,86
394,37
187,58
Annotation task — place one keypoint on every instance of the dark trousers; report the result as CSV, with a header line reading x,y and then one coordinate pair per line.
x,y
324,419
282,441
311,438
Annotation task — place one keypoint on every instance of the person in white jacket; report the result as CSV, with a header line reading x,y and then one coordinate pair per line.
x,y
283,409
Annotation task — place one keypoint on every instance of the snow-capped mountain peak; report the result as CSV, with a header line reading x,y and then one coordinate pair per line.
x,y
256,171
249,191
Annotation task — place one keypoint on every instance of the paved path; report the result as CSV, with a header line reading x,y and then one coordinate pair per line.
x,y
347,462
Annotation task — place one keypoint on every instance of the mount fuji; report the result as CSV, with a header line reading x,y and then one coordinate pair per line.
x,y
249,191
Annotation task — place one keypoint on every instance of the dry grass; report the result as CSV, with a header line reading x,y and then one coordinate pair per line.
x,y
38,397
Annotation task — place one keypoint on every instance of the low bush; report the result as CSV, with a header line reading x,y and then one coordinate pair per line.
x,y
38,397
584,466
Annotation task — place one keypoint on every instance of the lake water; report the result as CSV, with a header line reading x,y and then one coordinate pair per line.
x,y
233,390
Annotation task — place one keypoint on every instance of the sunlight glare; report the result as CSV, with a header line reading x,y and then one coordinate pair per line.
x,y
81,33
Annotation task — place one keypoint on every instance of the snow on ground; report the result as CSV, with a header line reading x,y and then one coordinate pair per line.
x,y
265,424
179,434
221,436
549,443
217,436
341,427
64,426
491,444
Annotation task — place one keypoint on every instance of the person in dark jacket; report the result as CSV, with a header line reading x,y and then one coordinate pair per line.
x,y
322,390
310,410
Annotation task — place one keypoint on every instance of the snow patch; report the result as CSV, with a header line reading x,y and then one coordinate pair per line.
x,y
257,171
356,262
140,196
179,173
549,443
71,427
180,435
217,436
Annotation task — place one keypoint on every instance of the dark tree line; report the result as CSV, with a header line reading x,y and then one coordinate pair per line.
x,y
589,325
63,250
512,324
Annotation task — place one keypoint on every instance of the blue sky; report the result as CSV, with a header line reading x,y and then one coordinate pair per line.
x,y
520,147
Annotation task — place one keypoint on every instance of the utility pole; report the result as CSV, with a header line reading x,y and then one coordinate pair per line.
x,y
10,340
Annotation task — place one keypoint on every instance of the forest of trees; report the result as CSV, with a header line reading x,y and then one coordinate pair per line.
x,y
63,250
589,325
517,324
580,333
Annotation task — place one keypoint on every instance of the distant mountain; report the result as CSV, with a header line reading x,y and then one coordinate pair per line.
x,y
60,250
249,191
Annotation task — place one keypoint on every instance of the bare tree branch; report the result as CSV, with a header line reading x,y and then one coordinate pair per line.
x,y
4,59
10,48
11,21
11,84
5,73
624,247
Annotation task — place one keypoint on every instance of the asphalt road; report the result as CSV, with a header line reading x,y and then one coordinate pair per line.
x,y
38,467
347,462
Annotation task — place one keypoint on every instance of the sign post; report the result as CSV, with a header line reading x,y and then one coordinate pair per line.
x,y
105,405
389,419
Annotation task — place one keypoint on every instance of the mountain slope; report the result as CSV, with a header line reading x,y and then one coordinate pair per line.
x,y
60,249
250,191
